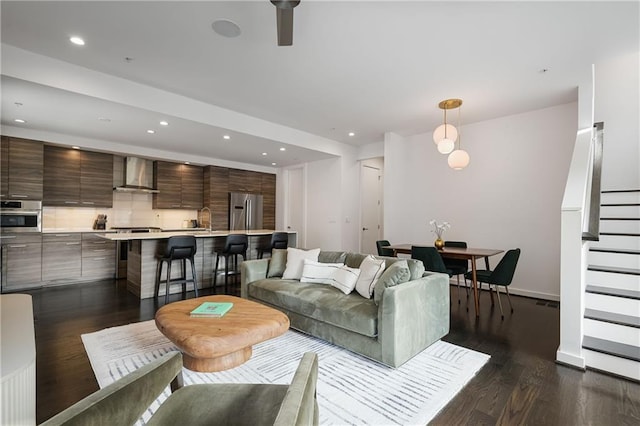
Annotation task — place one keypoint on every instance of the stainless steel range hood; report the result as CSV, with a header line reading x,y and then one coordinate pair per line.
x,y
138,176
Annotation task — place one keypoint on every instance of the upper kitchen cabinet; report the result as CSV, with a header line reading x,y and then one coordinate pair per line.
x,y
22,162
245,181
180,186
96,179
74,178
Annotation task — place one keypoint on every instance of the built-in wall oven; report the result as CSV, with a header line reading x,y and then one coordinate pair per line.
x,y
21,216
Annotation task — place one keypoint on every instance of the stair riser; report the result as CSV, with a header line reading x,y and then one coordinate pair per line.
x,y
608,279
621,260
618,242
620,197
620,366
614,332
618,305
620,211
622,226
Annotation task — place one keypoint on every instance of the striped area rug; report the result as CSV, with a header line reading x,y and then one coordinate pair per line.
x,y
352,390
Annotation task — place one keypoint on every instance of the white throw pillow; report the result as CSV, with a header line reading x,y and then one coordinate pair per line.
x,y
370,271
345,278
295,262
317,272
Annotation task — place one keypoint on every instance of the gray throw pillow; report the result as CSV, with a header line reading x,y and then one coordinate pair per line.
x,y
396,273
331,257
277,263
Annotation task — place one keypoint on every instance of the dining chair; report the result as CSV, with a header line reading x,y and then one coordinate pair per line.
x,y
502,275
431,259
457,266
382,250
279,240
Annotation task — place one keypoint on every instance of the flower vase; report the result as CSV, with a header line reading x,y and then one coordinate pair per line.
x,y
439,243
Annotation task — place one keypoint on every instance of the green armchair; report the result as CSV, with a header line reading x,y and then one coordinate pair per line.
x,y
124,401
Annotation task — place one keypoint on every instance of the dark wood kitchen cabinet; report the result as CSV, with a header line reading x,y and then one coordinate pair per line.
x,y
180,186
61,256
75,178
216,195
220,181
268,190
22,162
21,261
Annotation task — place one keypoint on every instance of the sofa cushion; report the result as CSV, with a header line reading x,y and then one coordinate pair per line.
x,y
345,278
416,267
395,274
277,263
353,260
317,272
320,302
332,257
370,271
295,262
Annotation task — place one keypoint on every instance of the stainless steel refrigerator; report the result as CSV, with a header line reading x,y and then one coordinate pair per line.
x,y
245,211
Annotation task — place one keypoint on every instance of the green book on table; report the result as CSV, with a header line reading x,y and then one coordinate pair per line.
x,y
212,309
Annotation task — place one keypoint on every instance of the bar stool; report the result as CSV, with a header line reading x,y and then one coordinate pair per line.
x,y
234,245
181,248
279,240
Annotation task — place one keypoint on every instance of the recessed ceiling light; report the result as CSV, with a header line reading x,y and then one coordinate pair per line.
x,y
105,119
273,164
19,120
283,149
164,123
227,137
351,134
75,147
226,28
187,162
77,40
264,153
151,131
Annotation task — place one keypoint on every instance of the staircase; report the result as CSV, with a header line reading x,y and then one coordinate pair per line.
x,y
611,339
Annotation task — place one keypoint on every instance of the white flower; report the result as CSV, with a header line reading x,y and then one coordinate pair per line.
x,y
439,229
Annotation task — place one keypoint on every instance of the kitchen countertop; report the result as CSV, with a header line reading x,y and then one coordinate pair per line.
x,y
198,234
74,230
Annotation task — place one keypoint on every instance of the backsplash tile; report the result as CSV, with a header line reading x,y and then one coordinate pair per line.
x,y
129,209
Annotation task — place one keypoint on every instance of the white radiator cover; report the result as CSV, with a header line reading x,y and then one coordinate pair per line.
x,y
18,354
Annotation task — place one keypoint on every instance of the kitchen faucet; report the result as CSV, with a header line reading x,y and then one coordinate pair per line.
x,y
202,210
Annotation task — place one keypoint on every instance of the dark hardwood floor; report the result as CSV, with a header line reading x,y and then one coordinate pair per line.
x,y
521,384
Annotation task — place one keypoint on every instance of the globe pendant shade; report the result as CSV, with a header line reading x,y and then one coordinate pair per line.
x,y
446,146
439,133
458,159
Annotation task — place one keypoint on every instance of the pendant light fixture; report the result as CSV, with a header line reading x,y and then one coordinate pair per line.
x,y
446,134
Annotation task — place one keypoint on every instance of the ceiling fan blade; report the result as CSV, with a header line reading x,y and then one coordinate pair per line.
x,y
285,26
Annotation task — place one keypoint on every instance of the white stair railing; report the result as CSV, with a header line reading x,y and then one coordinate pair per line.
x,y
577,209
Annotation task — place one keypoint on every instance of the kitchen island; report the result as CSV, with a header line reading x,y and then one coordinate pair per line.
x,y
143,248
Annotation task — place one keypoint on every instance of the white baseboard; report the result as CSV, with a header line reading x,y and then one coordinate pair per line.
x,y
521,292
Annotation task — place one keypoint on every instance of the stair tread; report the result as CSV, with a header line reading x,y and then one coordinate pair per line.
x,y
614,269
621,234
612,317
611,348
611,291
613,250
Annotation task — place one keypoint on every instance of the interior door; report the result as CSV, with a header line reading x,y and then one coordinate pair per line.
x,y
294,220
370,208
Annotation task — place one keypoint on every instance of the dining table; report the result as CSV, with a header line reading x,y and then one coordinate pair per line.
x,y
470,253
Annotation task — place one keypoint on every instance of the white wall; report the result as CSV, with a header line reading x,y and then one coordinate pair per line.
x,y
509,196
617,95
324,204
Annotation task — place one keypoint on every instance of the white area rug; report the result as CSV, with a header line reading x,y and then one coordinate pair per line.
x,y
351,389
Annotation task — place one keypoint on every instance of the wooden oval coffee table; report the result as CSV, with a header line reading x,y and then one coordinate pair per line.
x,y
216,344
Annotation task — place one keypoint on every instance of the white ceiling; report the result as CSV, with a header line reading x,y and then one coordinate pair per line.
x,y
365,66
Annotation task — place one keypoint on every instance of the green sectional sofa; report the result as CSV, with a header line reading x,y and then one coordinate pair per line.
x,y
392,327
